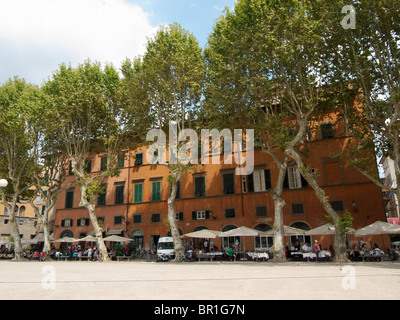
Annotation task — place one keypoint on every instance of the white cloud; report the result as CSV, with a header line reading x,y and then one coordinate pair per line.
x,y
35,33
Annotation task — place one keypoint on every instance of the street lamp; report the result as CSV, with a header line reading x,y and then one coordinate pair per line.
x,y
3,183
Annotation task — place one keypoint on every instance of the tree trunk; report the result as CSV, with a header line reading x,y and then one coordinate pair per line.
x,y
46,236
178,243
278,248
103,254
340,237
18,256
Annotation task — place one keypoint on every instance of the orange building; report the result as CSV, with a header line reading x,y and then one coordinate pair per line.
x,y
212,196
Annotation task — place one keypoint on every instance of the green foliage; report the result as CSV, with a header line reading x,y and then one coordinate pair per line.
x,y
118,249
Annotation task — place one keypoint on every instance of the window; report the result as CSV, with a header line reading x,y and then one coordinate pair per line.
x,y
138,192
88,166
230,213
103,164
327,131
258,180
200,186
67,223
83,222
118,219
156,218
70,171
139,159
297,208
263,242
119,194
261,211
102,197
228,183
156,190
137,218
69,199
338,206
121,161
244,184
294,178
179,216
200,215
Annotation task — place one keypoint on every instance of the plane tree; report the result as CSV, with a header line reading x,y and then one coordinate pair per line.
x,y
265,71
18,143
164,87
91,119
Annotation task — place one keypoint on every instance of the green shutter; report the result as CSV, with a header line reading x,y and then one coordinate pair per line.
x,y
138,192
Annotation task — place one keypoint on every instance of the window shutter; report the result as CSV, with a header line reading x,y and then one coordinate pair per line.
x,y
257,186
194,215
286,180
267,179
180,216
207,214
62,223
250,182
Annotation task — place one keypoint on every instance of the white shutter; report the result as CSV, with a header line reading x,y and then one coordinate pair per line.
x,y
256,175
262,180
294,178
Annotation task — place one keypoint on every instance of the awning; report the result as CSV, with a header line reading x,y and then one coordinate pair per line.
x,y
115,231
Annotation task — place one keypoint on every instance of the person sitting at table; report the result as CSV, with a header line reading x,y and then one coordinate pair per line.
x,y
377,252
305,247
356,254
231,254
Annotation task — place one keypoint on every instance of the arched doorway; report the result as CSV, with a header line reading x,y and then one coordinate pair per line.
x,y
296,242
230,242
261,243
195,243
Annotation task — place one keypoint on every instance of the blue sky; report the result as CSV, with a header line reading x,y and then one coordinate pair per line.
x,y
196,16
36,36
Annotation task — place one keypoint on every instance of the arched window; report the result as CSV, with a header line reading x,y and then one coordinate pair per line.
x,y
263,242
228,242
66,233
21,211
297,242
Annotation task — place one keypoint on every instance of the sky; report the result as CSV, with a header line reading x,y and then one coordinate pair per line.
x,y
36,36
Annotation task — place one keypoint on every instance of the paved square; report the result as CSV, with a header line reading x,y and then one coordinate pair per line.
x,y
198,281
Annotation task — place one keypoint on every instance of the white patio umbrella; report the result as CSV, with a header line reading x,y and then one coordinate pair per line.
x,y
241,232
204,234
88,238
287,231
29,241
4,241
378,227
115,238
65,240
325,229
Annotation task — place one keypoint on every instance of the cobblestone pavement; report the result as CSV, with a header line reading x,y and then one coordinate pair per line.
x,y
64,280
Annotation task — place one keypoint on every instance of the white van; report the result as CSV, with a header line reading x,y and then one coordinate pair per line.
x,y
165,249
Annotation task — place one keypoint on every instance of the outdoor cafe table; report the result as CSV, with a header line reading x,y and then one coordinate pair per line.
x,y
210,255
258,255
371,255
312,255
